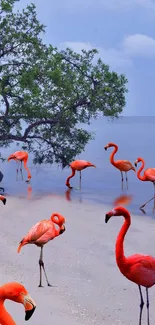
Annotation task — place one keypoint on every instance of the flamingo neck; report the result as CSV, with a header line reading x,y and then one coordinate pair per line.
x,y
141,177
5,317
69,177
112,155
119,248
57,219
27,169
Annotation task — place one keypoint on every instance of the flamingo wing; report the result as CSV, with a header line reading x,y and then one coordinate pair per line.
x,y
38,230
20,155
150,174
47,236
124,165
141,269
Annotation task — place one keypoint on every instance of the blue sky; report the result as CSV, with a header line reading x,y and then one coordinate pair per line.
x,y
123,32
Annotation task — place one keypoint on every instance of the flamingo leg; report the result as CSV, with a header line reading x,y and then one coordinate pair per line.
x,y
21,170
142,206
122,179
154,199
141,305
147,305
17,169
126,180
41,266
80,180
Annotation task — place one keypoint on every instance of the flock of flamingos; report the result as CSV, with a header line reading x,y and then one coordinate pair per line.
x,y
137,268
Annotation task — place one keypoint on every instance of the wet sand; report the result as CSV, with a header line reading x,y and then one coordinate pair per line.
x,y
80,263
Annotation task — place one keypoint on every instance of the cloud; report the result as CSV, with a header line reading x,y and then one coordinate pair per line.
x,y
115,58
137,45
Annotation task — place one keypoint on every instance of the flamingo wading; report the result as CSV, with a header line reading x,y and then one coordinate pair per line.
x,y
78,165
16,292
149,175
137,268
40,234
122,165
21,157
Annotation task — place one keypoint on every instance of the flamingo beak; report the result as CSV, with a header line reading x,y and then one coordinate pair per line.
x,y
3,199
107,217
30,307
62,229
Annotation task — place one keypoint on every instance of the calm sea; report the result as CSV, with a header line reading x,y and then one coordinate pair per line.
x,y
135,138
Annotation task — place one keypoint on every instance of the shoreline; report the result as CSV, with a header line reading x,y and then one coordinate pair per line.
x,y
80,263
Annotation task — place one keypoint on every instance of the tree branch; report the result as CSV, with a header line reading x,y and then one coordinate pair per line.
x,y
40,122
95,82
6,104
39,138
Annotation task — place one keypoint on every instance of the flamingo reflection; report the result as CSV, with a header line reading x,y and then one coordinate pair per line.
x,y
123,200
68,194
29,191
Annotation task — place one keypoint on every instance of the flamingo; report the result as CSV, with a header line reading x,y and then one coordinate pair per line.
x,y
22,157
40,234
148,176
122,165
16,292
78,165
3,199
137,268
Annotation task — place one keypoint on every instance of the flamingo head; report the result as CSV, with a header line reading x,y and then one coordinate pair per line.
x,y
17,292
62,229
110,144
3,199
28,179
137,161
117,211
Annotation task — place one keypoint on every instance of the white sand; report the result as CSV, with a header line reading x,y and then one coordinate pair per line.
x,y
81,263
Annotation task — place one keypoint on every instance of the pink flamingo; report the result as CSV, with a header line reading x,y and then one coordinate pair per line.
x,y
122,165
148,176
40,234
137,268
22,157
78,165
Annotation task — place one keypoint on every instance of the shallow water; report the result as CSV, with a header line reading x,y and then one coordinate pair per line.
x,y
133,135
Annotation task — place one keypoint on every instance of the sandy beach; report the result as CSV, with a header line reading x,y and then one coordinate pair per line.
x,y
80,263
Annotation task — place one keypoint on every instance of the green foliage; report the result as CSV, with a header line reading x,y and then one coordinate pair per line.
x,y
46,93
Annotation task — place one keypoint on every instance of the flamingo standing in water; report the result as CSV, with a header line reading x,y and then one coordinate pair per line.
x,y
22,157
78,165
137,268
148,176
3,199
16,292
122,165
40,234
